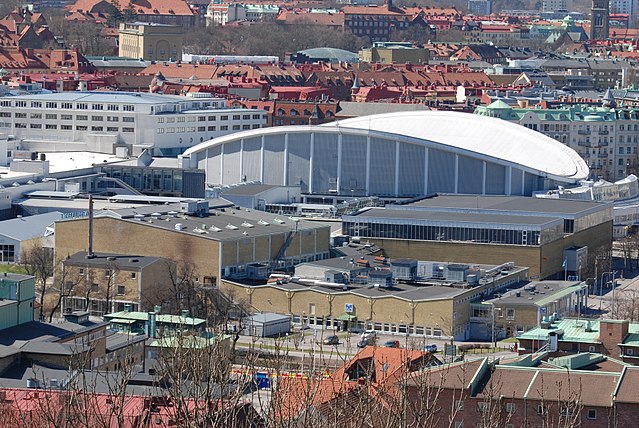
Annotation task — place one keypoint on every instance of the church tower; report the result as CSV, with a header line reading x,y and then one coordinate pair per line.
x,y
599,19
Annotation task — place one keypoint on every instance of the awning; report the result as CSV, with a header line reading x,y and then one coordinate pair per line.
x,y
346,317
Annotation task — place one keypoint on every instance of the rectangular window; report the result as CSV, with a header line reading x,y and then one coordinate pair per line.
x,y
81,117
121,290
211,128
66,127
510,408
510,314
66,117
236,127
36,104
50,126
82,106
224,128
36,126
128,119
133,275
68,106
97,107
257,116
592,414
128,108
459,404
236,117
51,116
35,115
127,130
112,129
224,117
97,128
97,118
21,115
51,105
81,128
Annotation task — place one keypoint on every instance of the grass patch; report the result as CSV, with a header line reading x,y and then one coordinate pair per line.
x,y
13,269
510,340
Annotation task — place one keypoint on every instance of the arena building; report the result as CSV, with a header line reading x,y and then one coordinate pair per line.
x,y
396,155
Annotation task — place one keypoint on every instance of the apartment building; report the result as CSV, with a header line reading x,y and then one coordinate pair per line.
x,y
222,14
107,283
605,137
102,121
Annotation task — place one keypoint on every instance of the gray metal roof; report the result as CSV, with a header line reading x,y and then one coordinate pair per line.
x,y
105,97
248,189
509,203
24,228
543,290
268,317
453,217
231,224
122,261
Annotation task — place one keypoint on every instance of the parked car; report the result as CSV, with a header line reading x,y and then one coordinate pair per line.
x,y
331,340
392,344
356,330
369,334
432,348
363,343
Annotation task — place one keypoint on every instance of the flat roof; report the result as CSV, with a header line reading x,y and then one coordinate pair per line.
x,y
224,224
249,189
452,217
508,204
545,292
122,261
24,228
105,97
400,291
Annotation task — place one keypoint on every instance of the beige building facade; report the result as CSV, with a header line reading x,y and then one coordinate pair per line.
x,y
222,244
150,42
432,311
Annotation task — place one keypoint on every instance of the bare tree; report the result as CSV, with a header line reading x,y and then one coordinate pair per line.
x,y
37,260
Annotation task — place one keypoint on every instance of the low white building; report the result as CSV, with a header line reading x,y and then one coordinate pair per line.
x,y
102,121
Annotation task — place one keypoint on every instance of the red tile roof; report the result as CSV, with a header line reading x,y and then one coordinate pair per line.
x,y
144,7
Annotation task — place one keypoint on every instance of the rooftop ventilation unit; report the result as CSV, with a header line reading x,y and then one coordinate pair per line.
x,y
231,226
179,226
200,231
139,217
247,224
279,221
215,229
264,222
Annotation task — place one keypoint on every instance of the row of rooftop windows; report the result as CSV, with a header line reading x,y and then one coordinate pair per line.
x,y
67,105
172,130
210,118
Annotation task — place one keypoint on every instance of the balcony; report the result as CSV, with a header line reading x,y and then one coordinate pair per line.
x,y
583,143
602,144
602,155
603,132
584,132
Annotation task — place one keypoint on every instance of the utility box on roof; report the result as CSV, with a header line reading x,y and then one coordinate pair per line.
x,y
267,325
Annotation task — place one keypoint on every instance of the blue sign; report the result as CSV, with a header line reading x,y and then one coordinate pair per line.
x,y
348,308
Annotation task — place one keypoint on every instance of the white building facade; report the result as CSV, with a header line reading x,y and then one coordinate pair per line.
x,y
103,121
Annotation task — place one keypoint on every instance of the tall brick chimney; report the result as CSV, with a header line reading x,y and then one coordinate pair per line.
x,y
611,334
